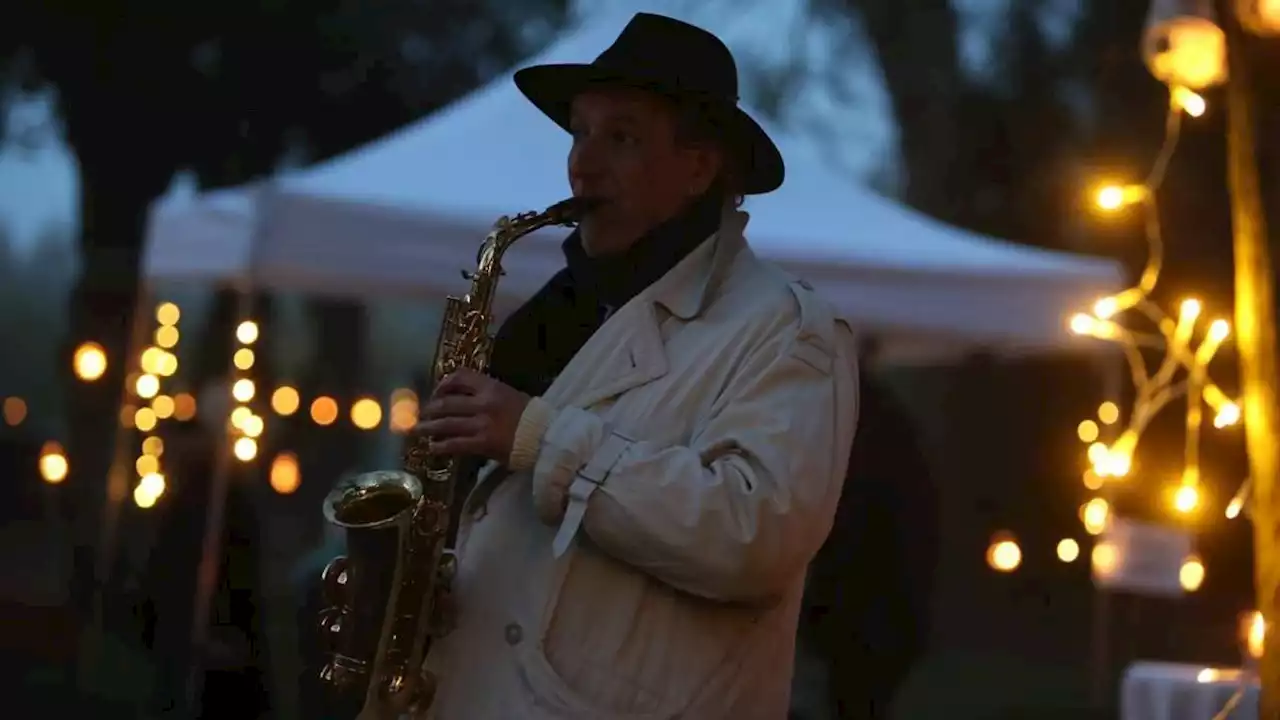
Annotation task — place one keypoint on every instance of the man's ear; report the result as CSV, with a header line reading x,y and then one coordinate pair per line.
x,y
706,162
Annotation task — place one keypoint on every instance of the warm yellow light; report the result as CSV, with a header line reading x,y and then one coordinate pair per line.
x,y
1108,413
89,361
1092,481
168,314
1234,507
252,426
1115,197
1187,100
1117,460
285,474
1085,324
184,406
1186,498
1191,574
53,463
243,390
1186,50
243,359
1229,415
324,410
163,406
166,363
245,449
240,416
152,484
1068,550
404,415
1106,307
1219,330
1087,431
1190,309
366,413
1081,324
1094,515
147,385
14,410
1254,631
153,446
145,419
166,336
152,360
1261,17
1105,559
1004,555
144,499
285,401
247,332
146,464
1226,412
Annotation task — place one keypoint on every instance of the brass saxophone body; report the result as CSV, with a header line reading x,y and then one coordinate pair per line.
x,y
388,595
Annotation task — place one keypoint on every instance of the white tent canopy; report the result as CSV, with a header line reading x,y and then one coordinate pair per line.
x,y
404,214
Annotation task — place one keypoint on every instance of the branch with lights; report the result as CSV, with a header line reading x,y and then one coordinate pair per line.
x,y
1186,50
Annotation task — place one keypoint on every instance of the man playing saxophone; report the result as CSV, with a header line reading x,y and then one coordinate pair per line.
x,y
667,421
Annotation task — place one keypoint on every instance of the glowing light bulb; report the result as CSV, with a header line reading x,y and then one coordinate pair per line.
x,y
1188,101
247,332
89,361
1087,431
1068,550
1004,555
1094,515
1191,574
1186,498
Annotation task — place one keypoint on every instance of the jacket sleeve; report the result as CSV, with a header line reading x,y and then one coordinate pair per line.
x,y
737,514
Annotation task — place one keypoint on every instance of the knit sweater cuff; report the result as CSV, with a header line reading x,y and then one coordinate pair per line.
x,y
528,440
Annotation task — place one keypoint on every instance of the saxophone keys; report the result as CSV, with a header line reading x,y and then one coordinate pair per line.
x,y
331,625
334,580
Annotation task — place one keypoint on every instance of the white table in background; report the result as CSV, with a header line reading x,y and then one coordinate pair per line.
x,y
1169,691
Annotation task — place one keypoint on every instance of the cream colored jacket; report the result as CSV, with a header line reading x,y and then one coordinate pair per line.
x,y
699,441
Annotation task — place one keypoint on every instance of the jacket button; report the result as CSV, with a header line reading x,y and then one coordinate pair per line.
x,y
514,634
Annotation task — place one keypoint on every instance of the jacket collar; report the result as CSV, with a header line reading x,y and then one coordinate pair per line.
x,y
686,290
611,281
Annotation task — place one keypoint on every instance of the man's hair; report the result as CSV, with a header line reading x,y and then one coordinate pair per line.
x,y
698,124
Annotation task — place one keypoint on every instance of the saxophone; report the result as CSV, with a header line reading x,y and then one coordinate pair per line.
x,y
390,594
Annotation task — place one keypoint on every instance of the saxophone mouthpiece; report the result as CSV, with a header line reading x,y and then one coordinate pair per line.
x,y
573,210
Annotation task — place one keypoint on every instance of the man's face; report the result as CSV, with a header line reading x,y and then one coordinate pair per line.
x,y
626,152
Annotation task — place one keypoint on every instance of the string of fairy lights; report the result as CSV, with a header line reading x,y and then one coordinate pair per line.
x,y
1188,344
1185,49
147,405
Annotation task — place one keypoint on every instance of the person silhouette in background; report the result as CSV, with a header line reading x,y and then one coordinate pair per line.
x,y
867,602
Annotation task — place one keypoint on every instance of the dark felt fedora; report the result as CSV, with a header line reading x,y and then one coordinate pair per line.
x,y
675,59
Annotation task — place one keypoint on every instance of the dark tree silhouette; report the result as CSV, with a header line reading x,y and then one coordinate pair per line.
x,y
146,88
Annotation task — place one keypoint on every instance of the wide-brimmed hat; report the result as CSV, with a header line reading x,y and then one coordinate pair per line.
x,y
675,59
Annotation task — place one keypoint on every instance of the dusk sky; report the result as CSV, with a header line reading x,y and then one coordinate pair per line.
x,y
38,184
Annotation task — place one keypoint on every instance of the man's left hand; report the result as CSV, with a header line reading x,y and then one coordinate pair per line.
x,y
473,414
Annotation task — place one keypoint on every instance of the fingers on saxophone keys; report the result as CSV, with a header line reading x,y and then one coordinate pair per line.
x,y
452,406
449,427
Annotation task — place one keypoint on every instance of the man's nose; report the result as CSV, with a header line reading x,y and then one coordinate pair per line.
x,y
587,157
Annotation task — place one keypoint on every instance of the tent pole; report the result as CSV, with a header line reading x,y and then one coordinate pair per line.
x,y
1256,345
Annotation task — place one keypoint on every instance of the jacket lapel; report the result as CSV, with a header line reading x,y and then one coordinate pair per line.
x,y
628,352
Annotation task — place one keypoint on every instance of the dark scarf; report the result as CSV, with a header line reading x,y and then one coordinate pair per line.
x,y
539,339
535,344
